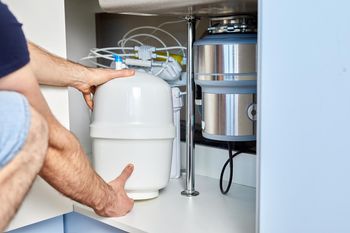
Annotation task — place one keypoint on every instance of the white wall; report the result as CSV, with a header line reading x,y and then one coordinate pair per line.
x,y
304,125
81,36
44,24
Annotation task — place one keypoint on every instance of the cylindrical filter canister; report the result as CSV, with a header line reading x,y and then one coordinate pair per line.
x,y
133,123
225,68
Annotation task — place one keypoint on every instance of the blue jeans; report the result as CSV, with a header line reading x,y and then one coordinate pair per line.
x,y
14,124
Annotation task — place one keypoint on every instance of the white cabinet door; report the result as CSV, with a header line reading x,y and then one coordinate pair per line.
x,y
42,203
304,87
53,225
44,23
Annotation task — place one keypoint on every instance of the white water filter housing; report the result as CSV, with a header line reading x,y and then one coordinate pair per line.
x,y
176,157
133,123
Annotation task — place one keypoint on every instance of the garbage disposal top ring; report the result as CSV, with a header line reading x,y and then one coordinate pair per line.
x,y
233,24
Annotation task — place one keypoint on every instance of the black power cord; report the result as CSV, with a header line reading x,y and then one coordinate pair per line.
x,y
240,148
229,161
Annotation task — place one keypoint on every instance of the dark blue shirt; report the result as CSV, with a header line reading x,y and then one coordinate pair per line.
x,y
13,45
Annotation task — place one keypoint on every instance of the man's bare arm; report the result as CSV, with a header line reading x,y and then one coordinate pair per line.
x,y
66,166
56,71
68,170
17,177
53,70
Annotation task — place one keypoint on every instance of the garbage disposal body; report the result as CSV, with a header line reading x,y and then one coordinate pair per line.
x,y
132,123
225,68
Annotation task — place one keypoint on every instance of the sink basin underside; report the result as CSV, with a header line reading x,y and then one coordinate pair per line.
x,y
180,8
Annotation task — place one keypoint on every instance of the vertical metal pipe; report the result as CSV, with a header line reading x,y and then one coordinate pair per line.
x,y
190,117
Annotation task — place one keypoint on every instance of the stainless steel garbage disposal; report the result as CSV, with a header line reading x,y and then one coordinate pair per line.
x,y
225,68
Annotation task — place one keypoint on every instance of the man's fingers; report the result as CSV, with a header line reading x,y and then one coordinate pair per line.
x,y
88,100
126,173
106,74
101,76
122,73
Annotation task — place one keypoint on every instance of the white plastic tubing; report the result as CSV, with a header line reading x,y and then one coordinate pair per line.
x,y
110,52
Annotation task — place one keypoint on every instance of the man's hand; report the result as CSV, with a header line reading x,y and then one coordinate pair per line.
x,y
118,203
68,170
95,77
56,71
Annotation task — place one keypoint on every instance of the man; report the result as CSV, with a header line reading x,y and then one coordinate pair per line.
x,y
33,142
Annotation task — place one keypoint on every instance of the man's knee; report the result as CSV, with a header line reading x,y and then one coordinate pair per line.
x,y
21,128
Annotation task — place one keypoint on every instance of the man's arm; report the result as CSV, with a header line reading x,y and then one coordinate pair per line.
x,y
66,166
68,170
18,175
56,71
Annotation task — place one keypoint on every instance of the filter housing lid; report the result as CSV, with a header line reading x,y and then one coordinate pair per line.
x,y
137,107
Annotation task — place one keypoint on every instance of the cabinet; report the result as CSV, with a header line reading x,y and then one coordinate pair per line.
x,y
52,225
74,222
303,109
68,223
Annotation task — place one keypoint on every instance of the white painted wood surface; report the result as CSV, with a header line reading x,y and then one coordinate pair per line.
x,y
172,213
